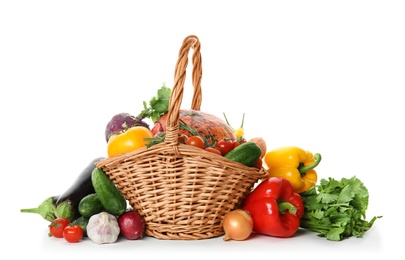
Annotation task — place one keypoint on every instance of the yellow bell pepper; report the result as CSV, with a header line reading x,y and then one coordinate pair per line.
x,y
129,140
294,164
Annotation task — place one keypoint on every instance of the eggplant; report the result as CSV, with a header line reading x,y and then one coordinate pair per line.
x,y
68,202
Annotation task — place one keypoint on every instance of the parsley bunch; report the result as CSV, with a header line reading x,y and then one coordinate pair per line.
x,y
337,209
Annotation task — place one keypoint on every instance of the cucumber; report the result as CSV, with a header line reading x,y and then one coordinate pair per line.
x,y
247,153
110,196
82,222
90,205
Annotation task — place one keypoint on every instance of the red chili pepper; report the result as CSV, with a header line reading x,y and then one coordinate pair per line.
x,y
275,208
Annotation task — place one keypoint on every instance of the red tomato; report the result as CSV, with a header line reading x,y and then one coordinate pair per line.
x,y
183,138
57,226
259,163
225,146
213,150
239,142
196,141
73,233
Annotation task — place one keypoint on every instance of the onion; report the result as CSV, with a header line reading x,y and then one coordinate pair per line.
x,y
261,143
132,225
238,225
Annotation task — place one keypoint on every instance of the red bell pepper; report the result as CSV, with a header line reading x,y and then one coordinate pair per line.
x,y
275,208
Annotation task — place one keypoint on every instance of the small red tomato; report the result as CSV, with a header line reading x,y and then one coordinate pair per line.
x,y
183,138
259,163
225,146
196,141
238,142
213,150
73,233
57,226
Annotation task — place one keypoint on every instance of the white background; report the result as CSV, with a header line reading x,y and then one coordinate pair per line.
x,y
327,76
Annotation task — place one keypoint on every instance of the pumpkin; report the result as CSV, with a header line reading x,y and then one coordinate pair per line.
x,y
209,126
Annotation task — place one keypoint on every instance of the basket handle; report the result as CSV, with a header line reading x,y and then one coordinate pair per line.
x,y
176,94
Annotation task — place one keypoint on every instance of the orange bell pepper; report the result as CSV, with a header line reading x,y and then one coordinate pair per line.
x,y
294,164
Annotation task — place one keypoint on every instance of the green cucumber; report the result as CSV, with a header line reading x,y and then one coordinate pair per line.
x,y
90,205
82,222
247,153
110,196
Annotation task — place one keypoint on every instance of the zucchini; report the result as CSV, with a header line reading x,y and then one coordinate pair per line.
x,y
90,205
110,196
247,153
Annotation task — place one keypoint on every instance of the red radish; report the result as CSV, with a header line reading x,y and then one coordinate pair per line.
x,y
131,225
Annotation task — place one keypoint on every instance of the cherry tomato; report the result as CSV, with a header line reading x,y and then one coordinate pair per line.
x,y
259,163
73,233
196,141
183,138
225,146
238,142
235,143
213,150
57,226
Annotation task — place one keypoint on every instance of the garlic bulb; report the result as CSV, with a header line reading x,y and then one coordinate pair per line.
x,y
103,228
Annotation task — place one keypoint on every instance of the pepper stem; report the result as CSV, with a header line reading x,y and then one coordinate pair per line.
x,y
284,206
304,168
226,119
243,120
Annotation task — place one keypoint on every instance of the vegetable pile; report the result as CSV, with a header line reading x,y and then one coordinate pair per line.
x,y
98,211
289,198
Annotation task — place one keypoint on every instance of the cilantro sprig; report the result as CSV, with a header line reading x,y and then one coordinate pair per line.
x,y
337,209
157,106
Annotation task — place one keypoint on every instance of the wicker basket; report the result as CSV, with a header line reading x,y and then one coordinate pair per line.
x,y
181,191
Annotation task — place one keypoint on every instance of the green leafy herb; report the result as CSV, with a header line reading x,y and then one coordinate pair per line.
x,y
337,209
159,138
158,105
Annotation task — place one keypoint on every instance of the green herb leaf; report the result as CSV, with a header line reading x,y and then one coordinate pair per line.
x,y
337,209
158,105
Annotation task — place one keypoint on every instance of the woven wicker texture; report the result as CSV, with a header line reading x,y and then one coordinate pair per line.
x,y
181,191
